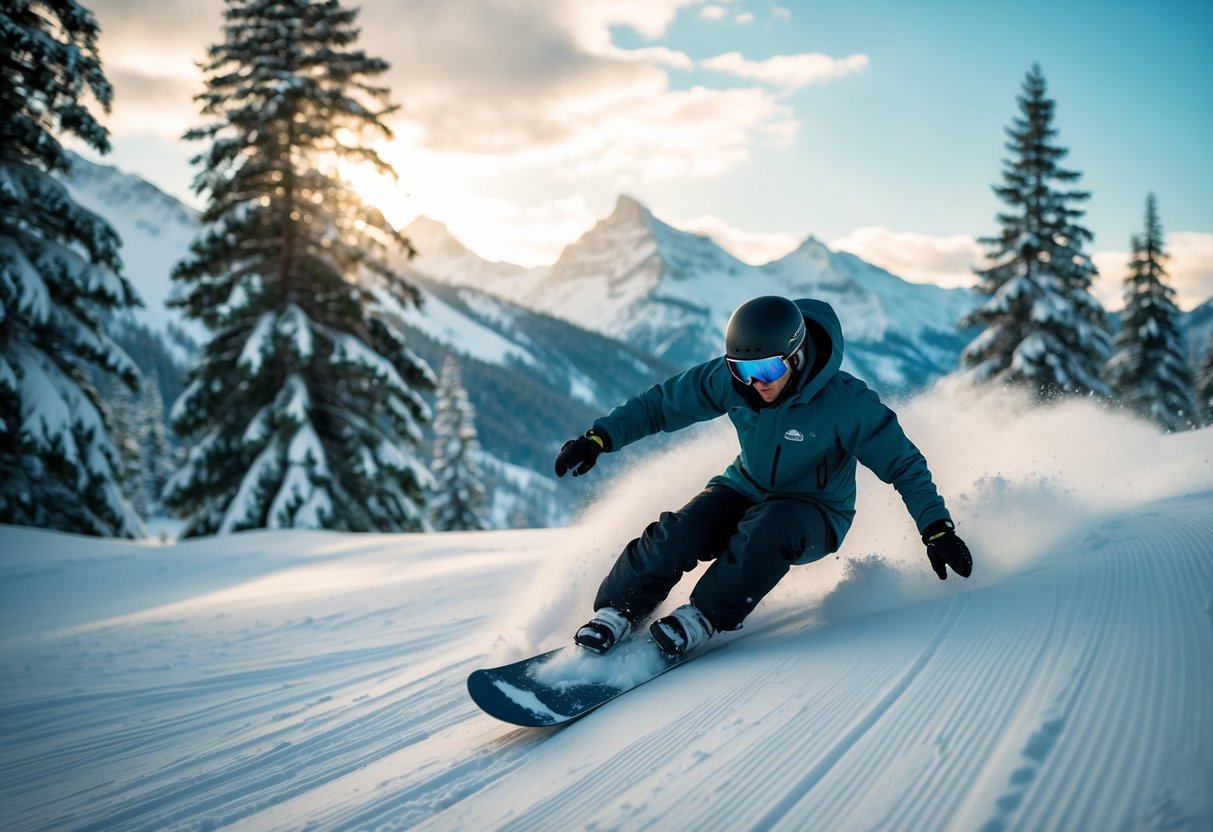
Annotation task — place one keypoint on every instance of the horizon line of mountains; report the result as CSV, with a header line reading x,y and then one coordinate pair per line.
x,y
544,350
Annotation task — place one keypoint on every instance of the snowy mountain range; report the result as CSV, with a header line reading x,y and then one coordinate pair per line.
x,y
633,278
669,292
156,231
545,350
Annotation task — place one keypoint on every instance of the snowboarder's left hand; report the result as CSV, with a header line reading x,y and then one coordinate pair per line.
x,y
945,548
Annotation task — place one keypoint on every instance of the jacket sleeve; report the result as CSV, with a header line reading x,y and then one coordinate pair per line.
x,y
876,439
697,395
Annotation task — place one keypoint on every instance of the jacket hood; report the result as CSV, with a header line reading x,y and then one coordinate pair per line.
x,y
826,331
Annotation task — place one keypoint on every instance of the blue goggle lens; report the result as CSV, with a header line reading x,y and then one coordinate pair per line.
x,y
765,370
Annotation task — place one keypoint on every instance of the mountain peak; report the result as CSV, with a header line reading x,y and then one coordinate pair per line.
x,y
629,210
424,226
111,191
431,238
813,246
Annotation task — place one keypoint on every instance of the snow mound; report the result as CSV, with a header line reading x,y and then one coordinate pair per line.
x,y
868,585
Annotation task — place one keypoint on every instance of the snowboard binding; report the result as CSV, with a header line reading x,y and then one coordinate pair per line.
x,y
604,631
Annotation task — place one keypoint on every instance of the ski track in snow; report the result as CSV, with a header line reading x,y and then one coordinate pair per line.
x,y
1075,695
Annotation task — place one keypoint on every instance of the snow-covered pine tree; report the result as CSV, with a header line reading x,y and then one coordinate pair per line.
x,y
1042,328
1204,386
459,503
124,433
156,454
303,408
1148,370
60,272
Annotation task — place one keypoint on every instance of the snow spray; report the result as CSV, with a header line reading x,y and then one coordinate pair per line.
x,y
1019,479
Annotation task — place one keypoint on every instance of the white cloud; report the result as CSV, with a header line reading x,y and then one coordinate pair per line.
x,y
717,12
539,84
487,90
152,104
1191,266
751,247
532,84
650,18
918,258
948,261
149,52
787,71
449,189
532,236
1189,269
698,132
654,56
1108,287
781,13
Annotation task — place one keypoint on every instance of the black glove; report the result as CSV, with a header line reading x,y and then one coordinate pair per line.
x,y
944,547
579,455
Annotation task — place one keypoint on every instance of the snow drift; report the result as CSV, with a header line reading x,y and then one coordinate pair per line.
x,y
286,679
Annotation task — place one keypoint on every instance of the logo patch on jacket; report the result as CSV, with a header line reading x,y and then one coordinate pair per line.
x,y
794,435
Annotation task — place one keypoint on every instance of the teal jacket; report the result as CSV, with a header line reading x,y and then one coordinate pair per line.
x,y
803,446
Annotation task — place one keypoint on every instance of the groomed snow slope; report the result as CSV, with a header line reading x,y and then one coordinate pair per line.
x,y
286,680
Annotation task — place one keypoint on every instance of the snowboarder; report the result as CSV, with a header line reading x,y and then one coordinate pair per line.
x,y
787,499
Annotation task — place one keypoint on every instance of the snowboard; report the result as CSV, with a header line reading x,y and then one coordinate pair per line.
x,y
565,684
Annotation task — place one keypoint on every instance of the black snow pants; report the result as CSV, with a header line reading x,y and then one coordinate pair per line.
x,y
752,546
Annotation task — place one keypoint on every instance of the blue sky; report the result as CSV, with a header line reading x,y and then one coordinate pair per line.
x,y
1134,93
915,139
876,127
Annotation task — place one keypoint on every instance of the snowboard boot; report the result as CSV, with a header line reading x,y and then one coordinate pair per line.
x,y
682,630
600,634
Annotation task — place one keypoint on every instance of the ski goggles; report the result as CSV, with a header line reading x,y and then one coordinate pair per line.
x,y
765,370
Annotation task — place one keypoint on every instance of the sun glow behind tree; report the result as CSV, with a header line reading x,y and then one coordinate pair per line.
x,y
305,404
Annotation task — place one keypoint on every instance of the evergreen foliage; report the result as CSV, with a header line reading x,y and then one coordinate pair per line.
x,y
156,454
1204,386
1148,371
303,407
120,409
1042,328
60,274
459,503
154,353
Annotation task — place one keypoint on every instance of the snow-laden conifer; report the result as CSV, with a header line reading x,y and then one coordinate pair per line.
x,y
60,273
1042,328
459,502
156,454
1148,370
120,408
1204,385
304,408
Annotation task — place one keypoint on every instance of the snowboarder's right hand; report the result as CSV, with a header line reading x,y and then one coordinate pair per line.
x,y
944,547
579,455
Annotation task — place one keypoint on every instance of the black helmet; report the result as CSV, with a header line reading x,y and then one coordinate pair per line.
x,y
764,327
